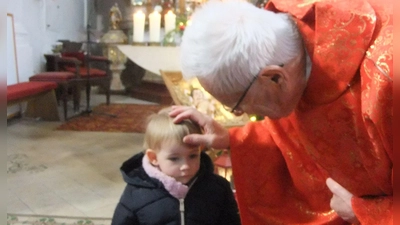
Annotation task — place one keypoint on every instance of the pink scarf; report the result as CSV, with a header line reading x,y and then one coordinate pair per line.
x,y
175,188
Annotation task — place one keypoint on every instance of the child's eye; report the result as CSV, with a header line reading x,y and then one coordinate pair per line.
x,y
173,159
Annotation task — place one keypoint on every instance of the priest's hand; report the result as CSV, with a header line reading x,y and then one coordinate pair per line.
x,y
215,135
341,201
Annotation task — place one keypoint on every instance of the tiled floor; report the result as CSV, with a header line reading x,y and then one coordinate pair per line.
x,y
66,173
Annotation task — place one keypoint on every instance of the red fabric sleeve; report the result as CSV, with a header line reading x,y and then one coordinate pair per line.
x,y
265,189
377,109
374,210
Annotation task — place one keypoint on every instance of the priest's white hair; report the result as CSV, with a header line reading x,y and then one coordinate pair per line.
x,y
231,41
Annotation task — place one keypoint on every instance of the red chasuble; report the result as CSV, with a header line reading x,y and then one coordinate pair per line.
x,y
342,127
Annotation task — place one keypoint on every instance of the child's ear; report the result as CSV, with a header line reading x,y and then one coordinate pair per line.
x,y
152,156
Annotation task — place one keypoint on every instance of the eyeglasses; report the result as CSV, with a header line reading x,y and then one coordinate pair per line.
x,y
232,110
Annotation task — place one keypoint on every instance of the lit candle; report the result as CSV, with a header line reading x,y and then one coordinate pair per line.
x,y
155,26
169,19
188,23
138,26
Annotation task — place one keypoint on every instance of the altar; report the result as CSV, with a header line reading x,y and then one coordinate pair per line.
x,y
165,62
153,58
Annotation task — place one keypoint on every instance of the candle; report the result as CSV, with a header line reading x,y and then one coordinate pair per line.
x,y
138,26
188,23
169,19
155,26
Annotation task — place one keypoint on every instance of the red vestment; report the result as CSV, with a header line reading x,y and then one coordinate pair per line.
x,y
342,127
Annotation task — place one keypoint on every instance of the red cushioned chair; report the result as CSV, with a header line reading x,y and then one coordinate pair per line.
x,y
66,83
90,71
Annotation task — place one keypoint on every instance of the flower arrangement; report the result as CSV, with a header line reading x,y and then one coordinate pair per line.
x,y
173,37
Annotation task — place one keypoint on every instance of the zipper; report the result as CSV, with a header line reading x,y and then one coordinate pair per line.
x,y
182,204
182,210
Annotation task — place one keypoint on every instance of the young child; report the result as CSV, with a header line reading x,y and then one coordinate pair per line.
x,y
173,183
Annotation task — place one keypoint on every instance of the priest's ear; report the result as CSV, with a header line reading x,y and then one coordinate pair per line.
x,y
273,74
152,156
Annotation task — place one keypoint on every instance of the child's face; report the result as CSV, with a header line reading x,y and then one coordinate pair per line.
x,y
178,161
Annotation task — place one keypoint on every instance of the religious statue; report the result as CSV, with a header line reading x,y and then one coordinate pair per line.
x,y
201,103
115,17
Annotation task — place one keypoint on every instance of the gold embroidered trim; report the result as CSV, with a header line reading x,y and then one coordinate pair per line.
x,y
379,68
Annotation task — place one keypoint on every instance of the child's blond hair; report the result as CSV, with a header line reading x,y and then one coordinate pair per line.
x,y
161,129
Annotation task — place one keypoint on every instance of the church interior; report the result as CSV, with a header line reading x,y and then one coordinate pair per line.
x,y
56,173
84,77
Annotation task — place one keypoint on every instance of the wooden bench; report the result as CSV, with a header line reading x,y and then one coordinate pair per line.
x,y
65,81
40,97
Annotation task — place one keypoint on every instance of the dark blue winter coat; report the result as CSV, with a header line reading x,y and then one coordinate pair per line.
x,y
145,201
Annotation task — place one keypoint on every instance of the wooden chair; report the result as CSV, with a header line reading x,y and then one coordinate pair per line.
x,y
90,71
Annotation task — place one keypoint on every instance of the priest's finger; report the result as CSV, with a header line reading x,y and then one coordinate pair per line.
x,y
338,190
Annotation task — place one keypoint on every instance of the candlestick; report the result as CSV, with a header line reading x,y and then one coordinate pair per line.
x,y
85,14
169,19
182,6
138,26
155,26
